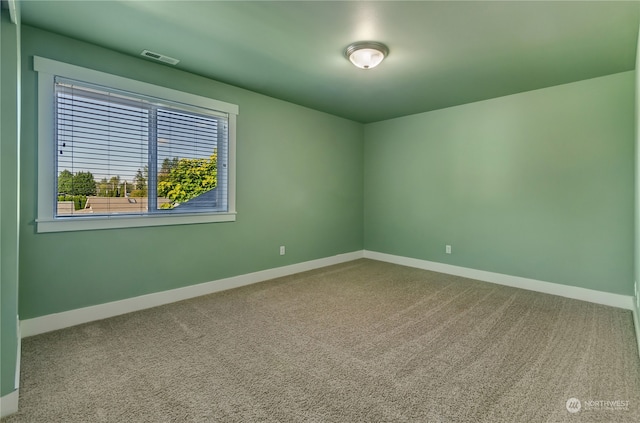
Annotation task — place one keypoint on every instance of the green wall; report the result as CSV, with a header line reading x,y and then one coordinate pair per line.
x,y
9,81
538,184
299,184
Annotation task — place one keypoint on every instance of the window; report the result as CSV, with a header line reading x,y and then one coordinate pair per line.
x,y
125,153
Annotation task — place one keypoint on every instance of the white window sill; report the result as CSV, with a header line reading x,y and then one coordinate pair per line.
x,y
114,222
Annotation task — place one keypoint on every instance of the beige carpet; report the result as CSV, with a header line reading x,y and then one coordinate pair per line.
x,y
363,341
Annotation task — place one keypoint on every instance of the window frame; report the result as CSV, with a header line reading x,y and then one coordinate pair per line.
x,y
46,221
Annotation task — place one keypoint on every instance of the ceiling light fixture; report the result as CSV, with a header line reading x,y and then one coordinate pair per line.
x,y
366,54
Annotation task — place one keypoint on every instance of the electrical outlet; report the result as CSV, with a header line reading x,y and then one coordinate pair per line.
x,y
282,250
447,249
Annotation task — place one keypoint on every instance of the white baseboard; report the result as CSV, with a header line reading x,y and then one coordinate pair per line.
x,y
636,321
51,322
584,294
16,381
9,404
636,313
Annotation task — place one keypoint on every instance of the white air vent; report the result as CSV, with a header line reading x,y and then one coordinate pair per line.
x,y
159,57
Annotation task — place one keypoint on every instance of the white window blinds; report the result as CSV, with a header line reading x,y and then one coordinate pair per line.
x,y
124,153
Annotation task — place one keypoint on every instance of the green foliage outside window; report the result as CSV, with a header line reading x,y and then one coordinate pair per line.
x,y
79,201
187,179
82,183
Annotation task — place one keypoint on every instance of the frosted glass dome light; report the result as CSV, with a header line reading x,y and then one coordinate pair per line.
x,y
366,54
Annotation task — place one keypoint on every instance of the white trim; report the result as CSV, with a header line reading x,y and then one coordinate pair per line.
x,y
51,322
46,148
9,403
16,382
636,325
636,313
112,222
577,293
46,204
231,163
